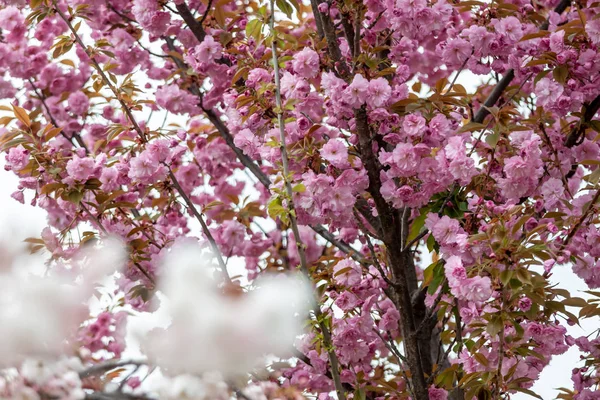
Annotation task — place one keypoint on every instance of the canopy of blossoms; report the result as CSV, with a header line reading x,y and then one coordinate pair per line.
x,y
388,185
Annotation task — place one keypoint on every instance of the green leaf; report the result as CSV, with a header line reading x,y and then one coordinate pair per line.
x,y
575,302
529,392
360,394
276,210
471,127
430,243
300,188
75,196
492,139
417,225
495,326
285,7
254,28
438,277
505,276
560,74
428,273
595,125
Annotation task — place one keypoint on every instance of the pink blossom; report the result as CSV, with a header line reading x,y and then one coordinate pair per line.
x,y
11,18
437,394
357,92
306,63
148,15
78,103
454,271
413,125
547,92
17,158
510,27
403,160
525,304
159,150
332,84
257,76
108,177
143,168
457,51
347,273
378,93
176,100
247,142
443,229
592,28
336,152
552,191
18,196
293,86
477,289
208,50
81,168
7,90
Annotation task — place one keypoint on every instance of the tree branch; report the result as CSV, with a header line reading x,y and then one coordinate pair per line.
x,y
243,158
510,74
42,98
333,360
144,139
195,26
103,368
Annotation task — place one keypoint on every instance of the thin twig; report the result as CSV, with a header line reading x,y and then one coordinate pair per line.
x,y
211,240
42,98
333,360
144,139
459,72
208,6
108,366
100,71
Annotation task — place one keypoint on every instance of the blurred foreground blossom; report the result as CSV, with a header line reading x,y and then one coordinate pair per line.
x,y
55,379
210,331
38,314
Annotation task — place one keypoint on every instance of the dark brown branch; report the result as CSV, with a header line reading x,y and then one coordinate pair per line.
x,y
331,36
400,262
590,111
243,158
510,74
318,19
208,7
340,244
211,240
192,23
42,99
494,96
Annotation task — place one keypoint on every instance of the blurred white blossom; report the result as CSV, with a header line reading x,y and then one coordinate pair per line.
x,y
209,386
213,332
37,314
55,379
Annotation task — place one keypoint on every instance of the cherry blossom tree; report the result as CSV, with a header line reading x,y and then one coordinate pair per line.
x,y
385,185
